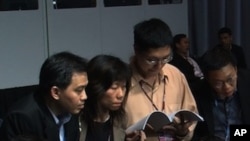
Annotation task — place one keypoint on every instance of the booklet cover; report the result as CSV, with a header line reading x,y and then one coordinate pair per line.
x,y
158,119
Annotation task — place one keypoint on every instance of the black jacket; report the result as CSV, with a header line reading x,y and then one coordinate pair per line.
x,y
31,117
204,101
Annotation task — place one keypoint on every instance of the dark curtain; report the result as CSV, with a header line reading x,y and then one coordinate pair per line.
x,y
206,17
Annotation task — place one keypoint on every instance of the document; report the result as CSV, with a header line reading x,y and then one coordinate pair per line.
x,y
158,119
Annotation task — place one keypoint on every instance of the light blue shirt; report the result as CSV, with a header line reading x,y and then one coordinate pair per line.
x,y
60,121
226,112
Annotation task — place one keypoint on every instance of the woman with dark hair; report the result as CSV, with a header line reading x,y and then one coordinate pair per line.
x,y
103,117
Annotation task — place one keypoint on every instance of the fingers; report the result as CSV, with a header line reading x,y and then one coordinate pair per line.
x,y
183,122
180,120
169,128
188,124
143,136
135,136
181,126
132,134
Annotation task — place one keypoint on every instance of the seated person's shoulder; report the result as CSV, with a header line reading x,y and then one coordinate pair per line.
x,y
26,104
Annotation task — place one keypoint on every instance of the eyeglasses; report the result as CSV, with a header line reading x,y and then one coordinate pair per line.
x,y
231,81
154,61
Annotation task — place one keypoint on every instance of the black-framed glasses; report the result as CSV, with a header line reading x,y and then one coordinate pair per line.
x,y
230,80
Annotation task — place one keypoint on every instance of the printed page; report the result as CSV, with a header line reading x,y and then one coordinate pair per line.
x,y
187,115
140,125
159,119
156,120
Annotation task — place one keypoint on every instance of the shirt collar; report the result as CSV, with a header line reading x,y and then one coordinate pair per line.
x,y
60,119
227,99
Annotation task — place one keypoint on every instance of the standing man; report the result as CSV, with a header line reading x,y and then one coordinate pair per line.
x,y
157,85
226,42
50,113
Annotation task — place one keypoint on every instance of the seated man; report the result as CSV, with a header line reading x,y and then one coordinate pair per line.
x,y
184,62
50,113
224,99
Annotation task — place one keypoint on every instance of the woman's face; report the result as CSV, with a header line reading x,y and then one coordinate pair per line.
x,y
114,96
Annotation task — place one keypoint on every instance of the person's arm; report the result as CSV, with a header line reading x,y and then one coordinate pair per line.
x,y
135,136
189,103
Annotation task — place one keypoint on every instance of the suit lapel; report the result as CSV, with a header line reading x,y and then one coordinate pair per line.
x,y
51,130
71,129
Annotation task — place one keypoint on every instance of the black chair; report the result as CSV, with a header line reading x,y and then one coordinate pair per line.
x,y
11,95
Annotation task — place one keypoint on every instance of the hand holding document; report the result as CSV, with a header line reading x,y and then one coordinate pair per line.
x,y
157,120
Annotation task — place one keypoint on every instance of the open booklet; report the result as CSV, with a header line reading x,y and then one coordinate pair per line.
x,y
158,119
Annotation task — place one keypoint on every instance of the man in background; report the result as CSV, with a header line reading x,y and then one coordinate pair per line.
x,y
226,42
184,62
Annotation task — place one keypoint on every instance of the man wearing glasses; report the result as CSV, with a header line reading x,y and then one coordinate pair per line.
x,y
157,85
224,99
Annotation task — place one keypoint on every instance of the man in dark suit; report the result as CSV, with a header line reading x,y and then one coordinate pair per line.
x,y
224,98
184,62
51,112
226,42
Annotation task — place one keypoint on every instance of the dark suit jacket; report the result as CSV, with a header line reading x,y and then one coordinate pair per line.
x,y
204,100
188,70
31,117
239,55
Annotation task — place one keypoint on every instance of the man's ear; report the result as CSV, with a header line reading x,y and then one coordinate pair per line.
x,y
177,45
54,91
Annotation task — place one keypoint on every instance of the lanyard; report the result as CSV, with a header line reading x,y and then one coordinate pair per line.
x,y
150,99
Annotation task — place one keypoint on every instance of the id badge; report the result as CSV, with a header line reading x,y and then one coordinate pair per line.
x,y
165,137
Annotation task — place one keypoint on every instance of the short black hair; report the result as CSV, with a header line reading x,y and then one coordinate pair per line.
x,y
225,30
58,69
215,59
103,71
177,38
152,33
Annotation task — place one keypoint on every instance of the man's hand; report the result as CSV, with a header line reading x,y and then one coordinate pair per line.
x,y
179,127
135,136
182,125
